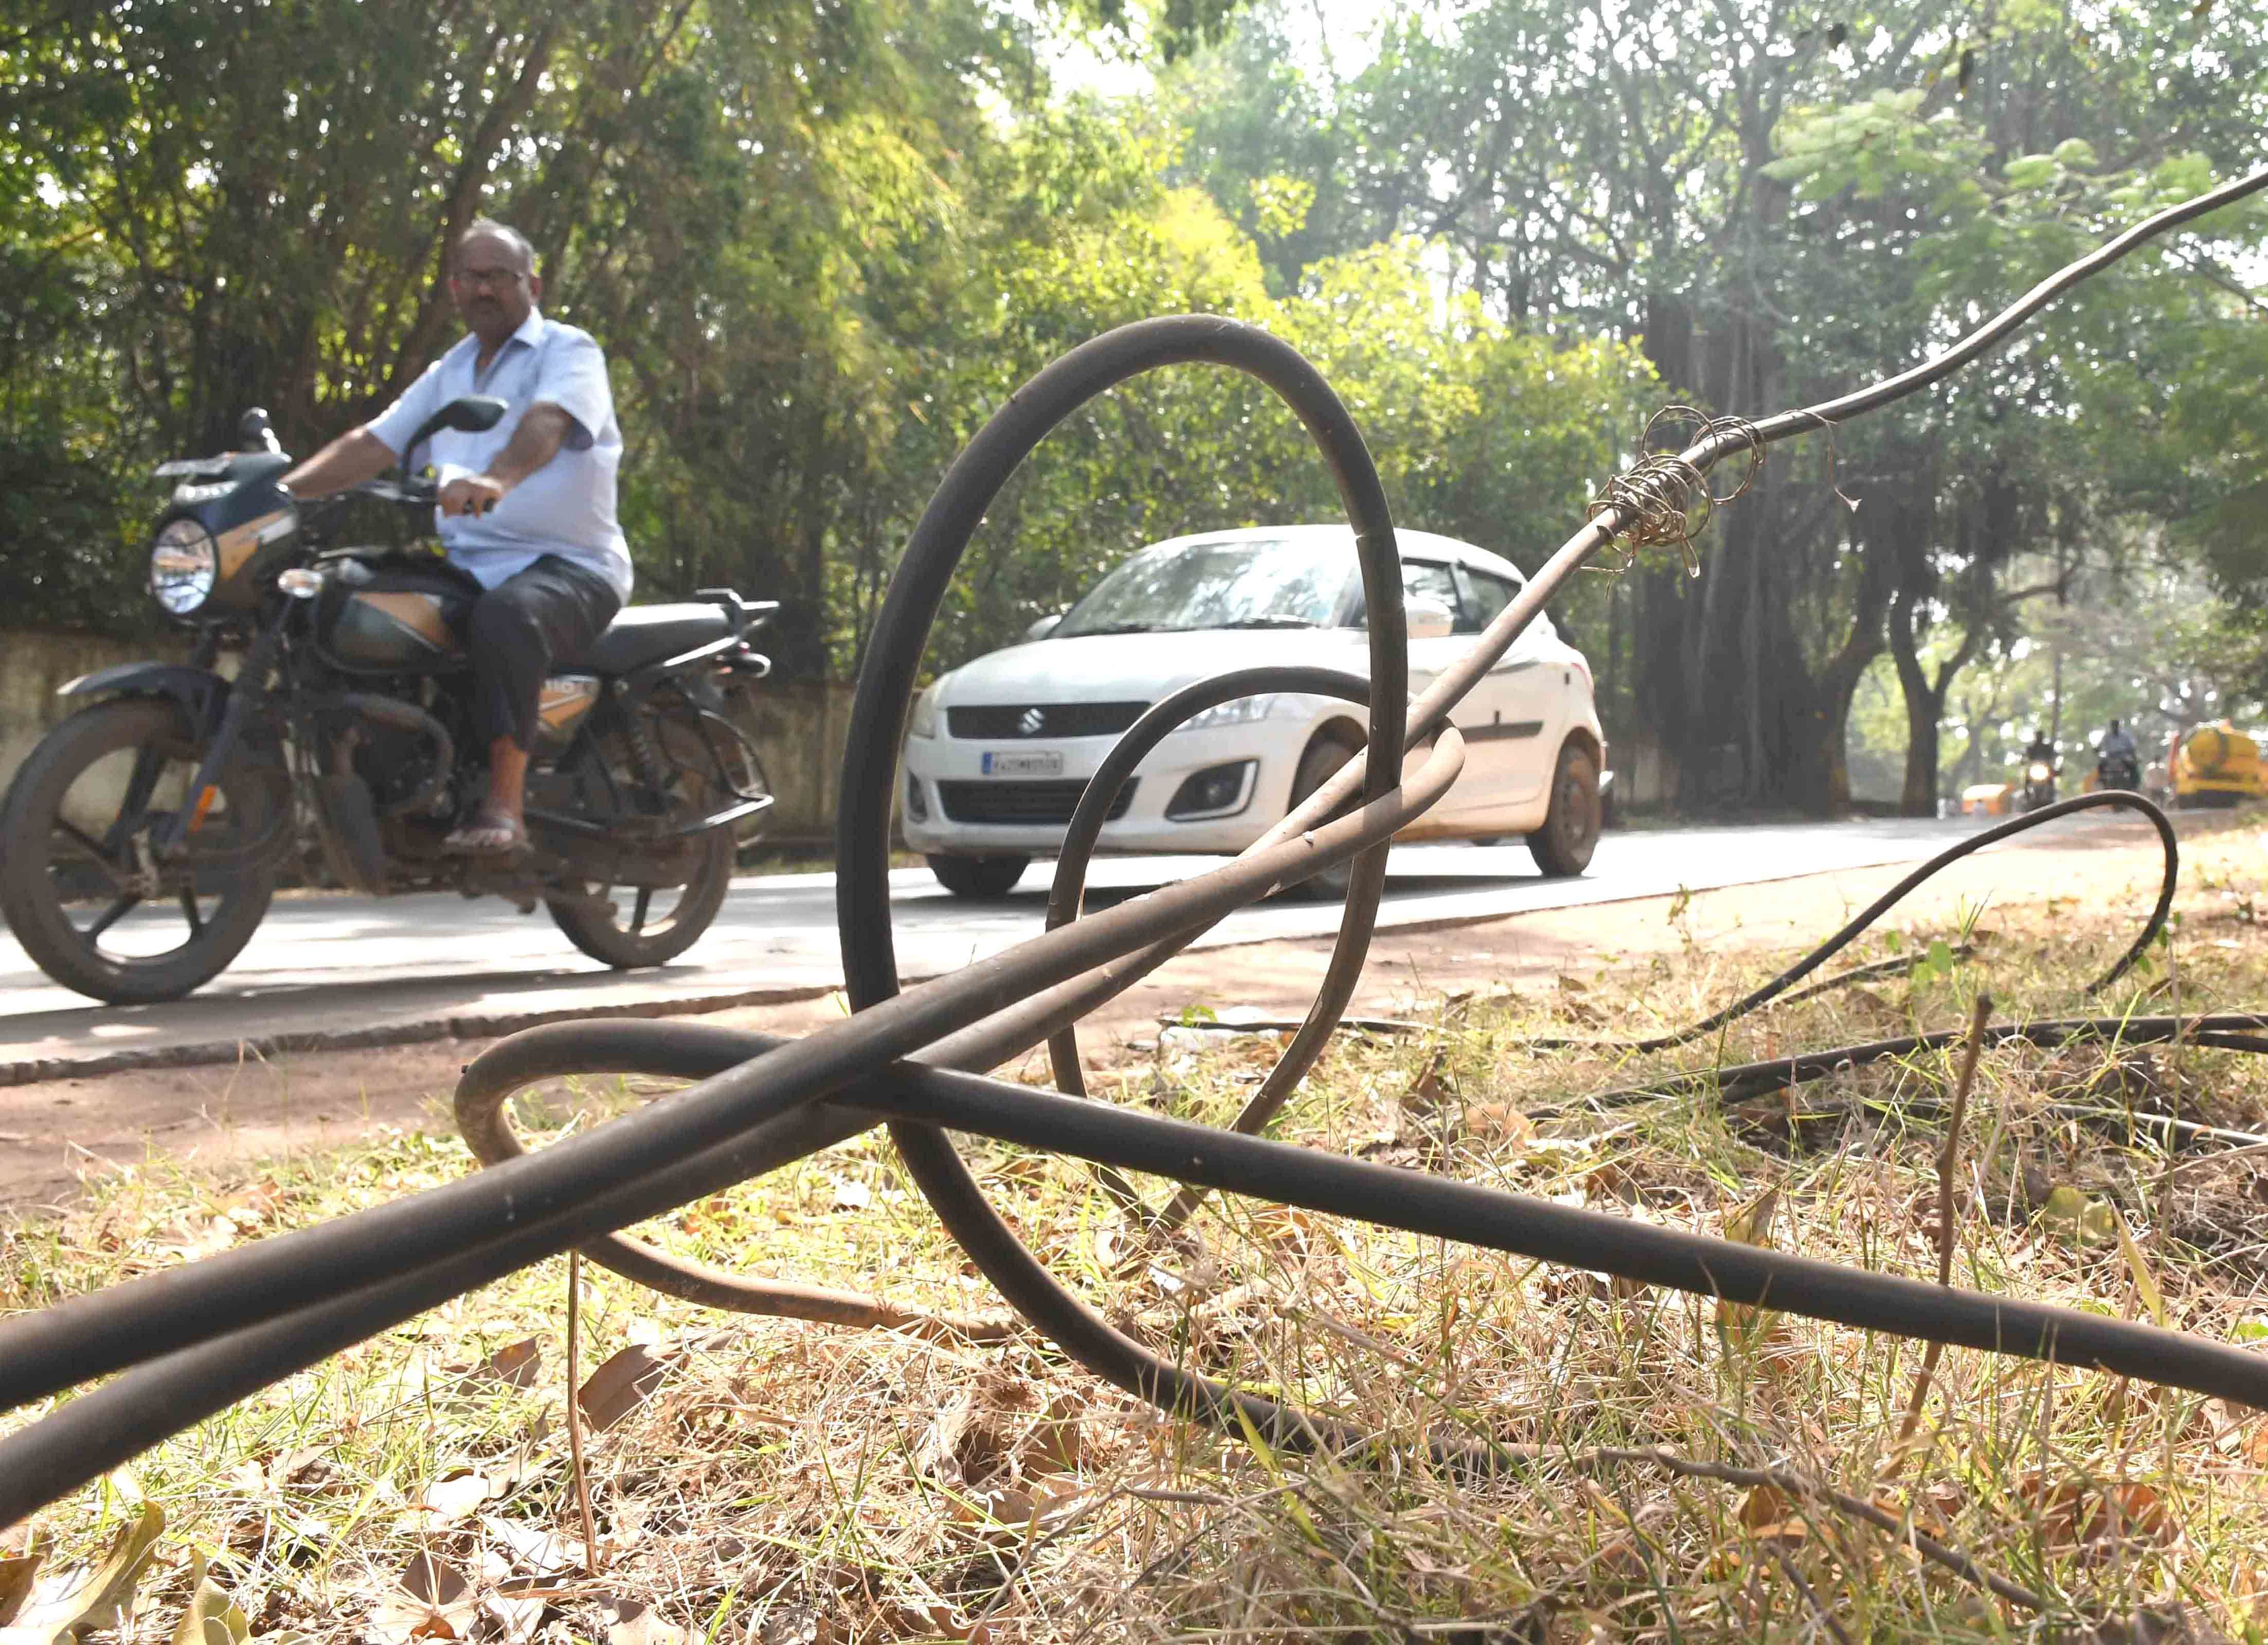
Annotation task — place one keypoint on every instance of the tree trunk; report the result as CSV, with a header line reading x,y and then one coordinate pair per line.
x,y
1924,703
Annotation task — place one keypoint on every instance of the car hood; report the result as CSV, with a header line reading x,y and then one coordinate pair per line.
x,y
1140,668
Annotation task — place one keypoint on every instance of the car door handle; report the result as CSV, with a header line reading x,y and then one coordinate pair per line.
x,y
1502,731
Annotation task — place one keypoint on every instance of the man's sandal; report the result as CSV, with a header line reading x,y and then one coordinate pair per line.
x,y
490,834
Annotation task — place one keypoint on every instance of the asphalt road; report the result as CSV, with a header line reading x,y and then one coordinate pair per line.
x,y
336,969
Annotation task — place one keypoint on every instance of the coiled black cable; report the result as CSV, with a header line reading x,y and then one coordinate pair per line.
x,y
200,1337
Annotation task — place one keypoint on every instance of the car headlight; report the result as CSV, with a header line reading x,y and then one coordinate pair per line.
x,y
183,567
1242,712
923,723
2039,773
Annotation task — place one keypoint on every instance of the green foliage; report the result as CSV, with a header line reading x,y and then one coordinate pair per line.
x,y
1777,209
821,247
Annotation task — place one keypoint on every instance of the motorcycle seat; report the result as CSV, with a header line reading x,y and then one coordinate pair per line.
x,y
643,634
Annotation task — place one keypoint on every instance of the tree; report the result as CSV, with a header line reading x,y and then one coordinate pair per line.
x,y
1777,205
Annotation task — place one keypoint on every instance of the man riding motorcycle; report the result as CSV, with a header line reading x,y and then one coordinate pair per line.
x,y
2039,773
2117,762
528,508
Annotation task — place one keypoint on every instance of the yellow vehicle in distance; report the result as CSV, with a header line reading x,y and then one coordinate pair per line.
x,y
2210,766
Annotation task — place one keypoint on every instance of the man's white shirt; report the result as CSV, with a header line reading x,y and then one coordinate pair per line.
x,y
567,506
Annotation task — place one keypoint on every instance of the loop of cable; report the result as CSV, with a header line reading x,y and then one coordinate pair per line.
x,y
190,1341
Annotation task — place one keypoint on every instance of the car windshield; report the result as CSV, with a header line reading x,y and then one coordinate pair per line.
x,y
1269,583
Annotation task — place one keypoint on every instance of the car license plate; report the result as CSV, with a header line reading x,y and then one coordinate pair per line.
x,y
1028,763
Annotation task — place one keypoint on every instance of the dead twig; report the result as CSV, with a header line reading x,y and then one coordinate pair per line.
x,y
590,1561
1810,1595
1947,1156
1794,1485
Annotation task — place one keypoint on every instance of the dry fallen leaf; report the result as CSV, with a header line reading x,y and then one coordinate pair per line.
x,y
210,1617
1431,1086
192,1239
941,1621
1750,1224
534,1551
799,1627
18,1571
446,1501
1497,1122
434,1602
516,1365
105,1600
2083,1514
620,1386
1620,1561
1763,1505
1056,1439
634,1622
1285,1225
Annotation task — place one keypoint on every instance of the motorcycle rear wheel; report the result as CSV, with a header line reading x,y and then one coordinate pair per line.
x,y
80,810
630,939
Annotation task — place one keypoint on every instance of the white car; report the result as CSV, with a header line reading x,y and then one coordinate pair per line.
x,y
998,750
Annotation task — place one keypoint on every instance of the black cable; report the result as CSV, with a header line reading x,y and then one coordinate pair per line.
x,y
2232,1032
677,1149
204,1335
886,687
1856,927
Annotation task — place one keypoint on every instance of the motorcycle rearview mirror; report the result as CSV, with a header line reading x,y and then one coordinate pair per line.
x,y
470,414
254,432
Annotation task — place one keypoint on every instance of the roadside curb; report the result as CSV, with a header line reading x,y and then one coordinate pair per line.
x,y
424,1031
494,1025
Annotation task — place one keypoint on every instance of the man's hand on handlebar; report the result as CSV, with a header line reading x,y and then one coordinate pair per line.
x,y
471,494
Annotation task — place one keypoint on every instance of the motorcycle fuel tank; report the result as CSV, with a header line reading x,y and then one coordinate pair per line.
x,y
395,620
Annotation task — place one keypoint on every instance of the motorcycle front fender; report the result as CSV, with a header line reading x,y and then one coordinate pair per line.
x,y
201,693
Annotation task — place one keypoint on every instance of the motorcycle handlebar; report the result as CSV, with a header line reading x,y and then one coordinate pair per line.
x,y
422,491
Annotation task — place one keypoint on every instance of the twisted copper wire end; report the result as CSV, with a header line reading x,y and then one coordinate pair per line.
x,y
1664,499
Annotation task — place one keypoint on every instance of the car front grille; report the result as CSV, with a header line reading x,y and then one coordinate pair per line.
x,y
1026,804
1056,719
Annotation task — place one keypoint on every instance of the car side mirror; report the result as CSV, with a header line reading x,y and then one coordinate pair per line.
x,y
471,414
1041,628
1428,619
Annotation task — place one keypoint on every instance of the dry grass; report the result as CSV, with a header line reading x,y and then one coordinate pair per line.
x,y
766,1480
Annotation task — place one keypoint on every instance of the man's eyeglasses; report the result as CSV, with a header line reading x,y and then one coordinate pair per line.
x,y
487,279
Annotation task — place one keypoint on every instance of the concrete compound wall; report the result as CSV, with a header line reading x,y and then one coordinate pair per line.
x,y
33,665
799,729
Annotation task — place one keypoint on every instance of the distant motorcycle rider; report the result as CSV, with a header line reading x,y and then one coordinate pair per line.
x,y
2117,765
2041,749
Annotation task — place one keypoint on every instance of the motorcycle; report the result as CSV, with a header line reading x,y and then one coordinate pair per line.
x,y
2039,784
2119,771
147,832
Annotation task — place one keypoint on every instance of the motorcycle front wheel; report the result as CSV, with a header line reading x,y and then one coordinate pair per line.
x,y
80,884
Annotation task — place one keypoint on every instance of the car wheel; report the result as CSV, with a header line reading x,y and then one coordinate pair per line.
x,y
982,879
1570,834
1317,766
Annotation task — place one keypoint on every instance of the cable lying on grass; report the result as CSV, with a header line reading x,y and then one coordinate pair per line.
x,y
192,1340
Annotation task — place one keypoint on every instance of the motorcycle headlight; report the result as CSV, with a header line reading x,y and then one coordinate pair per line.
x,y
923,723
2039,773
1242,712
183,566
